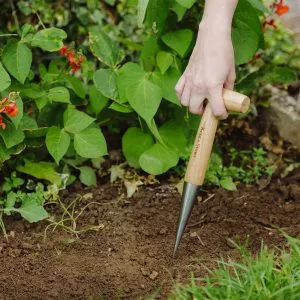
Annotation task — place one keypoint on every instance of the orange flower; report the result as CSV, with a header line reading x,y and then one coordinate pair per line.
x,y
75,67
73,58
3,125
63,50
3,100
270,23
11,109
281,9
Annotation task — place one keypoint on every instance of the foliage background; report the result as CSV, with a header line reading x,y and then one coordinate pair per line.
x,y
128,56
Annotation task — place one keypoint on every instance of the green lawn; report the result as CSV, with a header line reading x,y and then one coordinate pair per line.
x,y
269,275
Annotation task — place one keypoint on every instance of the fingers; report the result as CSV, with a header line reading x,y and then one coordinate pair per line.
x,y
186,94
193,97
216,102
180,86
196,102
229,83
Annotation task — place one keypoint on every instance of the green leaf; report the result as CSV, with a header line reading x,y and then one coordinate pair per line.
x,y
186,3
49,39
59,94
28,123
105,82
157,13
41,170
167,83
57,142
134,143
279,75
4,152
158,159
179,10
30,210
143,95
17,118
75,120
36,132
87,176
123,108
164,60
259,6
4,79
142,9
77,85
97,101
105,49
148,53
32,91
246,32
179,40
10,200
144,98
227,184
90,143
174,135
17,58
11,136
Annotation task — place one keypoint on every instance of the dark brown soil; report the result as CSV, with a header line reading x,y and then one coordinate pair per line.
x,y
130,258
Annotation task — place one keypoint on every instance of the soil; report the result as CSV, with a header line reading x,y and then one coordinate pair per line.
x,y
130,257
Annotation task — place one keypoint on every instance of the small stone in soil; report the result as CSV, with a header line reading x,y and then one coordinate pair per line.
x,y
153,275
194,234
163,230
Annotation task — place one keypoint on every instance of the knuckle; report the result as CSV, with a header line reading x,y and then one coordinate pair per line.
x,y
212,85
198,84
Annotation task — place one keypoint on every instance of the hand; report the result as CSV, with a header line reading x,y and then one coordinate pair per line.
x,y
211,67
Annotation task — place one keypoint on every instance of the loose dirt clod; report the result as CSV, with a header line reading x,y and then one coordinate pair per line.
x,y
121,260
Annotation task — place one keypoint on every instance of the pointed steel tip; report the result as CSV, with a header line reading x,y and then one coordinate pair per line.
x,y
188,199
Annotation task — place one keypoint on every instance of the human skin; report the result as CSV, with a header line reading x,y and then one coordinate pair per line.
x,y
211,65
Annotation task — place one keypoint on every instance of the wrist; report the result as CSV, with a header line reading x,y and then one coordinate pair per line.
x,y
215,27
218,15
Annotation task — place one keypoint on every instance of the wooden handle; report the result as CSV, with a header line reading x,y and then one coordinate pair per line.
x,y
199,159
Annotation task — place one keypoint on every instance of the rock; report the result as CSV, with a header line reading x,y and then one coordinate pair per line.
x,y
283,114
153,275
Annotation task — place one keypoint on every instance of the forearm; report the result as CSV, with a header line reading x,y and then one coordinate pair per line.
x,y
218,14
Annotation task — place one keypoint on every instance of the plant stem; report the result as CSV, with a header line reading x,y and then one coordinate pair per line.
x,y
8,34
14,14
153,128
40,20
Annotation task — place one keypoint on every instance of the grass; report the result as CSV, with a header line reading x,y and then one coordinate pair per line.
x,y
270,275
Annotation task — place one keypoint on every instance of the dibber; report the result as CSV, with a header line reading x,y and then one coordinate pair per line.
x,y
199,159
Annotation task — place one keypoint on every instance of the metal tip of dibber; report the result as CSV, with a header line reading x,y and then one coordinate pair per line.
x,y
189,195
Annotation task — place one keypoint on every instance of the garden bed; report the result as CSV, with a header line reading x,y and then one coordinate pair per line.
x,y
130,257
